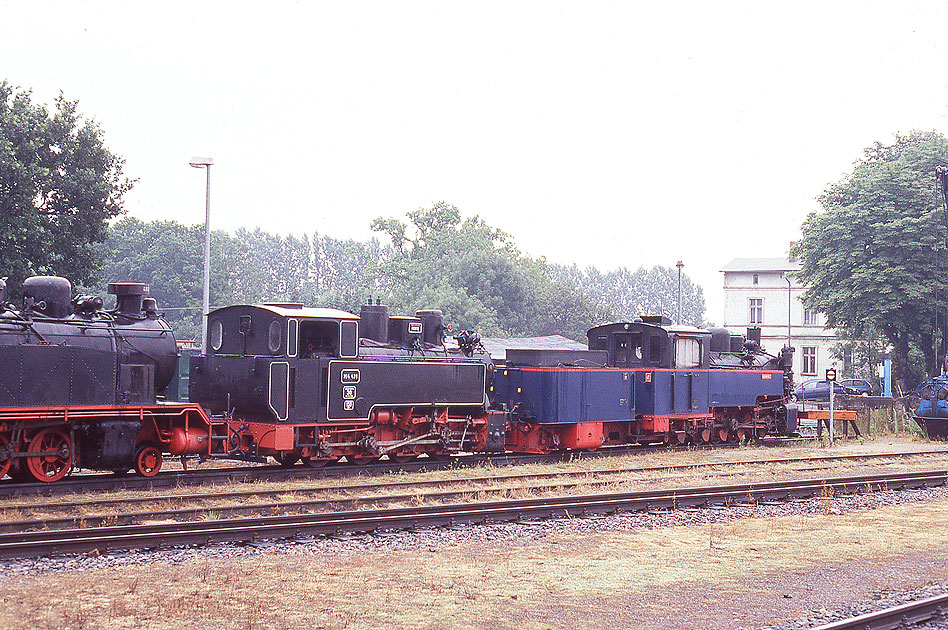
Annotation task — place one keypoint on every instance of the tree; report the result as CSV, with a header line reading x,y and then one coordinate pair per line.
x,y
169,257
627,294
874,257
59,187
478,277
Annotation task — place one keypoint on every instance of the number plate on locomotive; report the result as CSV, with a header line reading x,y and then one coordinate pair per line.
x,y
349,377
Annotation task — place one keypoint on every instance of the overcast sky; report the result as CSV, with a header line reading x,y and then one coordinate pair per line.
x,y
601,133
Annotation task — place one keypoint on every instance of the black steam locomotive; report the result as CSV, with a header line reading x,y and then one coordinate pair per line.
x,y
78,381
319,384
312,384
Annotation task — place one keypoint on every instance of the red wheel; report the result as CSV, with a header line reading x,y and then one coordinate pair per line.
x,y
287,458
56,458
5,459
148,461
362,460
315,462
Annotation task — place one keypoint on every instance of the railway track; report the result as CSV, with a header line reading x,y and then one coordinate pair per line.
x,y
245,474
339,497
242,474
903,616
246,530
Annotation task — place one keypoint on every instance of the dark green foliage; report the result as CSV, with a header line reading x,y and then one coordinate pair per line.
x,y
875,258
59,186
479,278
472,272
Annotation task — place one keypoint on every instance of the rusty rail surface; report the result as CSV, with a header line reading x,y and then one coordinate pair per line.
x,y
589,478
162,535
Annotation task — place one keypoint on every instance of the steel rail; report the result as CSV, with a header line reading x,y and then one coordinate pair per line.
x,y
276,474
83,482
41,543
588,478
902,616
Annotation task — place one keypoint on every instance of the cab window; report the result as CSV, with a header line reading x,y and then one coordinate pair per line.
x,y
687,353
655,350
318,339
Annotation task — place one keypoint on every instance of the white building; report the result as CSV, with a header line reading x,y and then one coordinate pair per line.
x,y
762,292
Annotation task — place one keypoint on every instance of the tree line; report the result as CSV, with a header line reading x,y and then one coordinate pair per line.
x,y
432,259
61,190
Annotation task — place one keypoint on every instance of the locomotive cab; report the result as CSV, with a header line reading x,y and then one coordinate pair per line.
x,y
652,342
260,356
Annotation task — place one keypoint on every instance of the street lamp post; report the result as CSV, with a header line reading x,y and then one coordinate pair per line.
x,y
205,163
789,304
679,264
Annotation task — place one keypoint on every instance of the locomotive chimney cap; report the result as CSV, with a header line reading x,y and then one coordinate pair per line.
x,y
128,288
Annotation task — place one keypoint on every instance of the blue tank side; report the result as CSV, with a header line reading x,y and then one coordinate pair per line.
x,y
564,396
671,392
924,409
734,388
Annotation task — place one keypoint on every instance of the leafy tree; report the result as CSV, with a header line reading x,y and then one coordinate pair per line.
x,y
59,186
478,277
627,294
344,272
169,257
874,257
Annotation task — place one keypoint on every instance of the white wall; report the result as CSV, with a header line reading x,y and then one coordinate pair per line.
x,y
771,287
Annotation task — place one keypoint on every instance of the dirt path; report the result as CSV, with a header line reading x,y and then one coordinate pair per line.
x,y
743,573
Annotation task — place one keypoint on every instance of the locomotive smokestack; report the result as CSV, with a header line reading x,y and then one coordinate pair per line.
x,y
128,296
433,326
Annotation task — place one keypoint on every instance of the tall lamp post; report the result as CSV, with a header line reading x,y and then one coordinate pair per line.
x,y
205,163
679,264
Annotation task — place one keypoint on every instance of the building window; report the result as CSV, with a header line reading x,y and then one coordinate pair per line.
x,y
756,310
809,360
809,317
756,279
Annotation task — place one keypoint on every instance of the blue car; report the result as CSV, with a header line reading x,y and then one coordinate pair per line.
x,y
819,390
860,385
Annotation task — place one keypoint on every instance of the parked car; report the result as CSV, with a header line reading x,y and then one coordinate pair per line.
x,y
819,390
861,385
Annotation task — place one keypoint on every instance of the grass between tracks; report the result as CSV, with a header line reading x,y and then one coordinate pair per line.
x,y
707,576
457,480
